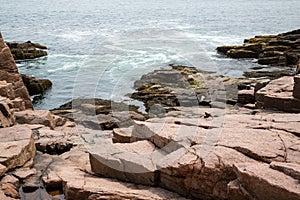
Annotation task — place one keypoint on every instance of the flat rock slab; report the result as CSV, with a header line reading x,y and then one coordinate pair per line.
x,y
265,183
16,146
130,162
291,169
267,145
71,171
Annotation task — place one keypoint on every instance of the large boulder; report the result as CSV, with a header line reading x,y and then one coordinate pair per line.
x,y
9,73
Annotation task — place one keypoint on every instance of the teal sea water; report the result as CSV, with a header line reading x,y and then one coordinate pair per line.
x,y
97,48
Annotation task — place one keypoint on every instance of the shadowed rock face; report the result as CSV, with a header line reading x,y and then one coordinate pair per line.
x,y
36,86
9,73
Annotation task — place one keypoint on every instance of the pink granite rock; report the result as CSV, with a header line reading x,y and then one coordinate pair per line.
x,y
278,95
9,73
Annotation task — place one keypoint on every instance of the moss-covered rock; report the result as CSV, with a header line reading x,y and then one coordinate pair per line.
x,y
241,53
282,49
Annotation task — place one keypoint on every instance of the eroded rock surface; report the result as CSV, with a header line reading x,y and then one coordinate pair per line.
x,y
203,167
14,86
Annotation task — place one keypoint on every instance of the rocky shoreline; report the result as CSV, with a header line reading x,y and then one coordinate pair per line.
x,y
204,136
278,50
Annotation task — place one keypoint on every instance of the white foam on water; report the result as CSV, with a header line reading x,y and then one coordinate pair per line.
x,y
76,35
67,56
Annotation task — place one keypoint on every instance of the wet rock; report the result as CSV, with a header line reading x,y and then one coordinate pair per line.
x,y
42,117
224,49
17,146
274,60
96,106
112,114
262,182
158,91
278,50
240,53
9,73
269,74
26,50
36,86
260,39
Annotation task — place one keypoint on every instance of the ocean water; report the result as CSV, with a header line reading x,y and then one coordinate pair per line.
x,y
97,48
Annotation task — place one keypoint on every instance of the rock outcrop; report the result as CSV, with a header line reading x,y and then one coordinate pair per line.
x,y
279,50
198,159
186,86
10,78
189,145
278,94
36,86
26,50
